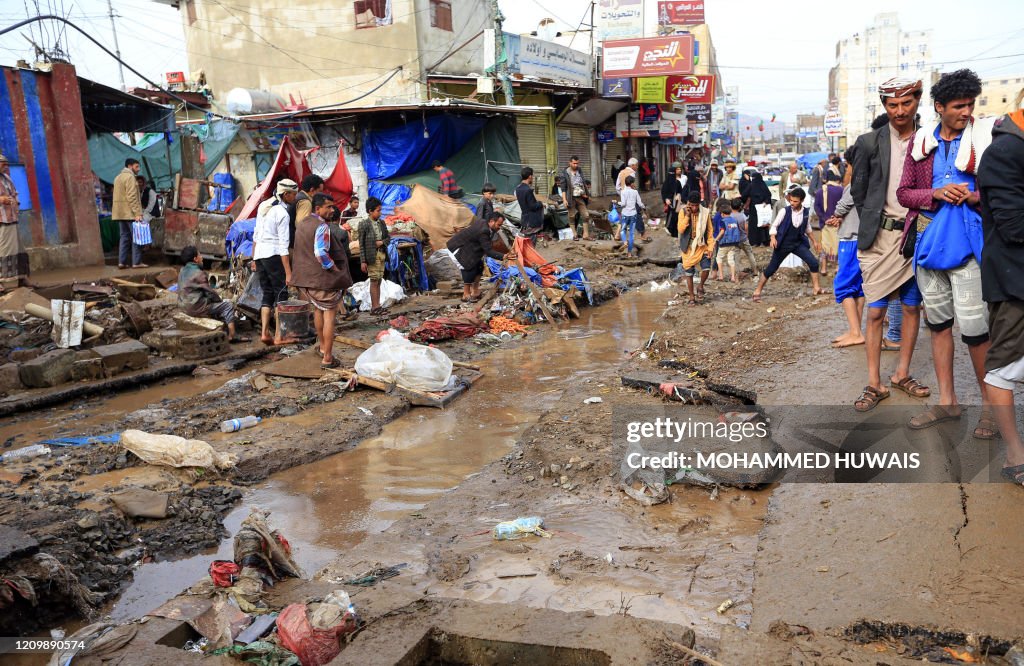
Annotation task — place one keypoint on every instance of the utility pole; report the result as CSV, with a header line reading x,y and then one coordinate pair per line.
x,y
117,48
500,57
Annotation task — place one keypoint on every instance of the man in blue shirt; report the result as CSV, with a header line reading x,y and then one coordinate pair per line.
x,y
938,187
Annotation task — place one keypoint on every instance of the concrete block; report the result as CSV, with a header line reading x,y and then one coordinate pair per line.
x,y
123,356
89,369
48,370
10,379
187,344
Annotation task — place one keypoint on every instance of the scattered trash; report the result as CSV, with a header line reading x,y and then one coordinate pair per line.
x,y
314,646
366,411
608,558
661,286
726,605
259,627
111,438
25,453
395,360
648,494
401,321
141,503
390,293
593,401
260,652
256,546
456,327
234,425
224,573
519,528
771,309
174,451
216,619
196,646
499,324
371,577
822,569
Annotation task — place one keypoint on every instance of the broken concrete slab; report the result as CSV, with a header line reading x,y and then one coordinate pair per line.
x,y
15,543
10,378
89,369
123,356
48,370
22,355
188,323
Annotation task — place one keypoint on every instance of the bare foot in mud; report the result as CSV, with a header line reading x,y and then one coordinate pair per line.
x,y
847,340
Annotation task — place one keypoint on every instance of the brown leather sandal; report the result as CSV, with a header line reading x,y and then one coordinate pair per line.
x,y
911,387
935,415
987,427
869,399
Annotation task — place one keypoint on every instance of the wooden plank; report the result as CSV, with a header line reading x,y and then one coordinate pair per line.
x,y
537,296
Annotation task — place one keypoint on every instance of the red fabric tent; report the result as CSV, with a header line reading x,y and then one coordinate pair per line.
x,y
289,163
339,183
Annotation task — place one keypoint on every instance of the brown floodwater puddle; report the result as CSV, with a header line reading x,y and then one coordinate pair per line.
x,y
327,507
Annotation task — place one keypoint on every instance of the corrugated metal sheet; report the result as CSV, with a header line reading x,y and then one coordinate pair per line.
x,y
533,151
578,145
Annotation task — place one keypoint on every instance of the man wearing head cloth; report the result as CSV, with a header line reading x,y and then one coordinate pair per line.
x,y
877,168
13,259
271,239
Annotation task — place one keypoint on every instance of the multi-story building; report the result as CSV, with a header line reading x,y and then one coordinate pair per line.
x,y
999,96
325,52
866,59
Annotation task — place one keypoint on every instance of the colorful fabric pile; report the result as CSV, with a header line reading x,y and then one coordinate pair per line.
x,y
457,327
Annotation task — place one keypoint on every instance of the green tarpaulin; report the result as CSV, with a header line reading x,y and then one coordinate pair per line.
x,y
107,154
490,156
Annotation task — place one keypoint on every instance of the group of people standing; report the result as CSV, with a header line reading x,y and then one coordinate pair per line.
x,y
930,215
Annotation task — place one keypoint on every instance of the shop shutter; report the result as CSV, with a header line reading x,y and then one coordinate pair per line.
x,y
533,151
578,144
614,147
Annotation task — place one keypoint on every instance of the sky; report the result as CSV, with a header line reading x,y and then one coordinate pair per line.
x,y
780,65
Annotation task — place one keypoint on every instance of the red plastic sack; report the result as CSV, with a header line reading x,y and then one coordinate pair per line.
x,y
313,647
224,573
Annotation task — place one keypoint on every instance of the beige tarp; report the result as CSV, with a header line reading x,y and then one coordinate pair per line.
x,y
439,216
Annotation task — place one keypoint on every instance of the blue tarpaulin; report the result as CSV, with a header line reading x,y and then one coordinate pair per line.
x,y
412,147
808,161
577,278
389,194
112,438
395,265
239,238
223,196
503,276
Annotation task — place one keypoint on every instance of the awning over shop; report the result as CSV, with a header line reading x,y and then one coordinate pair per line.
x,y
107,109
593,112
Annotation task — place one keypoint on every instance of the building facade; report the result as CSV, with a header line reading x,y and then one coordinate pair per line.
x,y
866,59
321,52
999,96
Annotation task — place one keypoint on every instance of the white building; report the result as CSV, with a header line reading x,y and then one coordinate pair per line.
x,y
866,59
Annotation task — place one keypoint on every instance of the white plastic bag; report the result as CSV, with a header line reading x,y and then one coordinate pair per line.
x,y
792,261
407,364
565,234
390,293
173,451
764,215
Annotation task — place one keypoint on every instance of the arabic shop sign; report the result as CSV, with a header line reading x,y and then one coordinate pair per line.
x,y
547,60
649,57
699,113
620,19
673,16
617,87
676,89
673,125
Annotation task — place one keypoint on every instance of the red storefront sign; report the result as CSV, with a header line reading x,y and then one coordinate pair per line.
x,y
654,56
690,89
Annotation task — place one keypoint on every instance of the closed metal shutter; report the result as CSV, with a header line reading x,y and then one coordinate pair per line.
x,y
533,151
578,144
614,147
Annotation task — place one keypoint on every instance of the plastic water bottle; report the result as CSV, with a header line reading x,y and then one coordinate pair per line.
x,y
27,452
234,425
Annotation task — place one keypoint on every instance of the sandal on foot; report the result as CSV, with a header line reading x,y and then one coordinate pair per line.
x,y
333,363
692,302
756,298
869,399
911,387
933,416
1014,475
889,345
238,339
987,427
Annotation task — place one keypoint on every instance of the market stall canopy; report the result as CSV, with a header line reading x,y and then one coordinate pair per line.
x,y
593,112
107,109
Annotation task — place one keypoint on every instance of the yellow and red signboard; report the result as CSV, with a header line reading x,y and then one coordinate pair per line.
x,y
690,89
654,56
